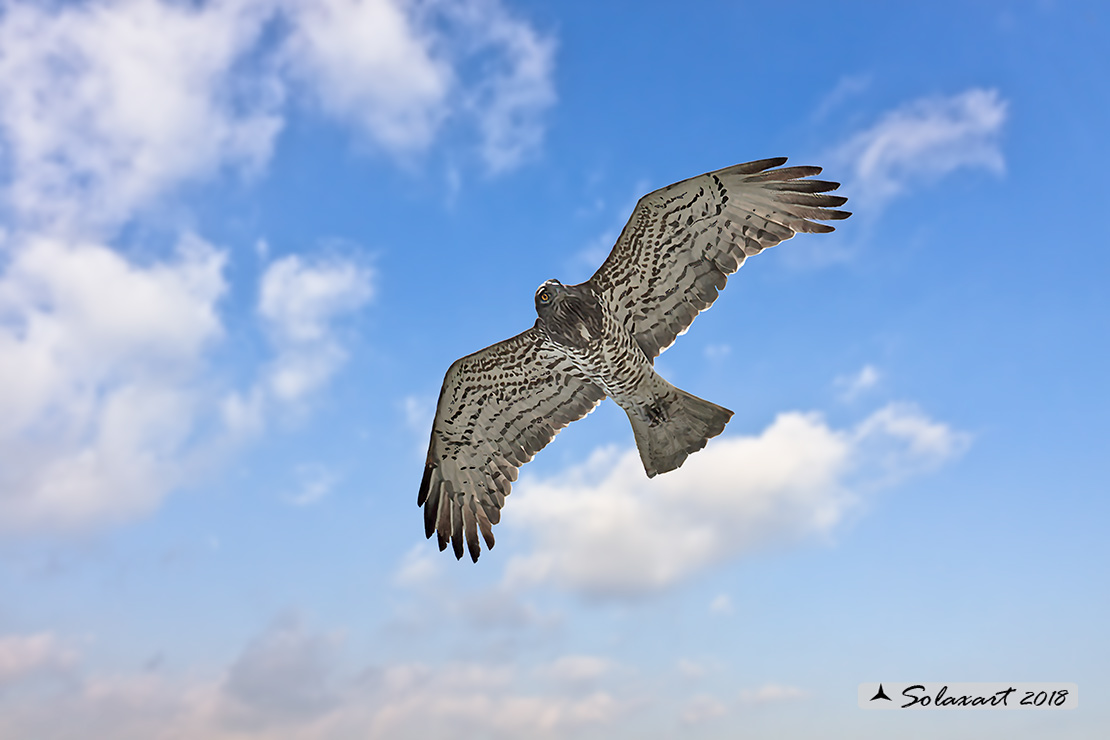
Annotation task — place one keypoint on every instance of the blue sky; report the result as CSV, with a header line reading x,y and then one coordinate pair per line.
x,y
242,241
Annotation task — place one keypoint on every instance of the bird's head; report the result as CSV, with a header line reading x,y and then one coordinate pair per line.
x,y
546,296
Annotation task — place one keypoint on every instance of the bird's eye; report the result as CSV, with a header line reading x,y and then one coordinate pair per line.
x,y
544,297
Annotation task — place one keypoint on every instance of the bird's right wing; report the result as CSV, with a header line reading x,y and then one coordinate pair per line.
x,y
498,408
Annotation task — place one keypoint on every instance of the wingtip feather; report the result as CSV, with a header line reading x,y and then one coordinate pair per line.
x,y
422,495
751,168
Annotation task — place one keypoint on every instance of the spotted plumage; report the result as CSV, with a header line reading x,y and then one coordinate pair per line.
x,y
500,406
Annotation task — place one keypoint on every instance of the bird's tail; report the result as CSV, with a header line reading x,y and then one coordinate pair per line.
x,y
673,426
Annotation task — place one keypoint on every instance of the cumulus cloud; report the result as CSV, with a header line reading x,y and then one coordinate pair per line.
x,y
604,530
300,300
397,72
924,140
105,106
99,377
371,63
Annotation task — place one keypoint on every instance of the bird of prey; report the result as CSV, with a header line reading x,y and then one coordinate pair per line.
x,y
500,406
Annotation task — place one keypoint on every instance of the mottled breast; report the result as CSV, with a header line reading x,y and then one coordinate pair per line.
x,y
575,320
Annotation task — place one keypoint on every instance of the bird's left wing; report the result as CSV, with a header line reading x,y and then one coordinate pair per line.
x,y
498,408
684,240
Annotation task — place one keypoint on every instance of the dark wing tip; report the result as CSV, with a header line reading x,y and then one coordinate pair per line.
x,y
751,168
422,496
430,520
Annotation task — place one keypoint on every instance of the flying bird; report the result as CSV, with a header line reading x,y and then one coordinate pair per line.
x,y
501,405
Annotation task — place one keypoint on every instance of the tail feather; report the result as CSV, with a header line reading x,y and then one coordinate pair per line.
x,y
679,424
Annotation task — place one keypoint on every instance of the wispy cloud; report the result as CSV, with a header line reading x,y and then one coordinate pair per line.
x,y
510,102
845,89
597,249
315,482
923,141
419,410
852,386
601,529
398,72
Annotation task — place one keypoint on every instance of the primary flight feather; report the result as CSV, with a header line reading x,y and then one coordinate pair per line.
x,y
501,405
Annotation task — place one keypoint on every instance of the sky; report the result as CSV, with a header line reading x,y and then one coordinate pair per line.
x,y
241,241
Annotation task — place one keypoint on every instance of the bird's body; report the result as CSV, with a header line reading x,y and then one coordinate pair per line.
x,y
500,406
604,351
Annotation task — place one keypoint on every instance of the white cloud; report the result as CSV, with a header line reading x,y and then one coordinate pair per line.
x,y
510,101
106,106
603,529
398,71
99,364
300,301
372,63
851,386
103,363
106,110
923,141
